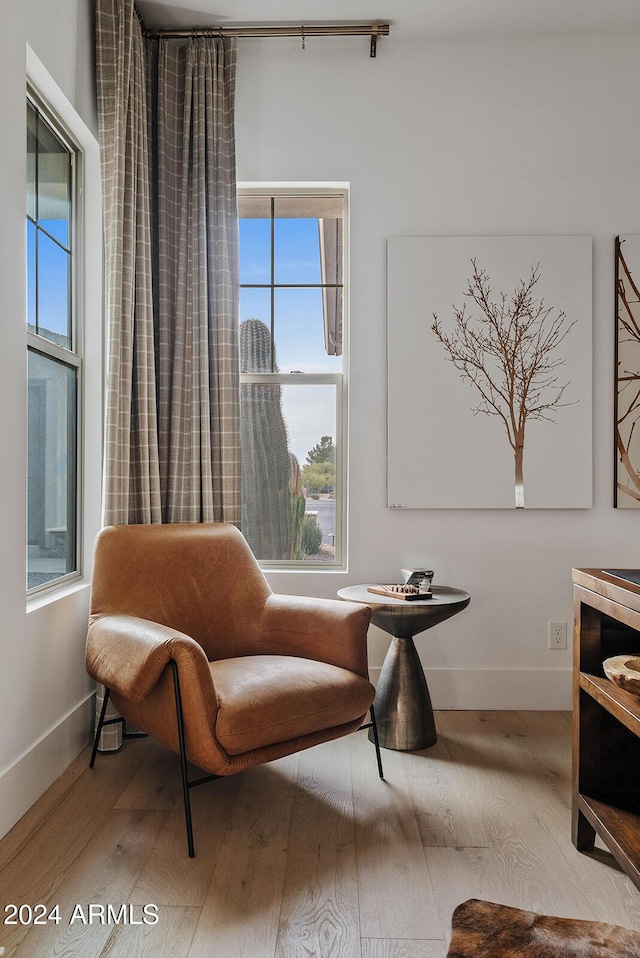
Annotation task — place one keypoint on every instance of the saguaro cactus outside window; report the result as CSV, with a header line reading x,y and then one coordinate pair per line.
x,y
266,464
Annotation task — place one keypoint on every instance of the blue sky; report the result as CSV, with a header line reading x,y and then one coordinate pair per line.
x,y
53,263
299,329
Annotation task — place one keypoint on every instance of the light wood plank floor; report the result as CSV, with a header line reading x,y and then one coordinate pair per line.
x,y
311,855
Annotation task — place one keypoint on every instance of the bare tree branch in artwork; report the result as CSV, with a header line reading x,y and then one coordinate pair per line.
x,y
507,349
628,376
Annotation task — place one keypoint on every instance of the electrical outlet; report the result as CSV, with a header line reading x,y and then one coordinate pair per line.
x,y
557,635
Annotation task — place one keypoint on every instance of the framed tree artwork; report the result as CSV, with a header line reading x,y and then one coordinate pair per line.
x,y
627,393
489,372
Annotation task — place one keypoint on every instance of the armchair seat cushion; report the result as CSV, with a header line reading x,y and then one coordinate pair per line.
x,y
266,699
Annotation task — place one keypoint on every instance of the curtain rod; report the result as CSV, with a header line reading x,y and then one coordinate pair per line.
x,y
302,30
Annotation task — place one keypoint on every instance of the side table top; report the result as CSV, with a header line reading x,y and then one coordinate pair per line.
x,y
442,595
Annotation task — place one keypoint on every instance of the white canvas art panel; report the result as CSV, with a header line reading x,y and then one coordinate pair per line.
x,y
489,372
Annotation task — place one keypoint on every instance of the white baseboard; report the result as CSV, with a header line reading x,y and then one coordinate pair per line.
x,y
501,689
23,782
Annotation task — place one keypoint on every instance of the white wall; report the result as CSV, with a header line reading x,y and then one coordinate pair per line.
x,y
510,136
45,694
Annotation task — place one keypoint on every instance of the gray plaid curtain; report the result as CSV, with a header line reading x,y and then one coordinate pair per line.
x,y
197,280
166,115
166,121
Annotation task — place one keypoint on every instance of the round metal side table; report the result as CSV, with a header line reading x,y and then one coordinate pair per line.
x,y
404,713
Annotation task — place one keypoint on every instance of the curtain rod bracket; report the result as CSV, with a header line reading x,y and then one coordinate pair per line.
x,y
374,39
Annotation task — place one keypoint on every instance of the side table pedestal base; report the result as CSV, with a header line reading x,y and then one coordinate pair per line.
x,y
403,705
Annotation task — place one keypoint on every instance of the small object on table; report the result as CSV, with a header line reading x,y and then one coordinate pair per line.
x,y
624,670
420,577
408,592
404,714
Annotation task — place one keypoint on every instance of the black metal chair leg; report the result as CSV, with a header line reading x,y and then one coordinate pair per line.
x,y
374,729
183,760
101,722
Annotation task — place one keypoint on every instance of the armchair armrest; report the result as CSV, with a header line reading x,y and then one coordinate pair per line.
x,y
128,654
323,629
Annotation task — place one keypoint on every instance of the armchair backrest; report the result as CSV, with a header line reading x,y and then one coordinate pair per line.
x,y
201,579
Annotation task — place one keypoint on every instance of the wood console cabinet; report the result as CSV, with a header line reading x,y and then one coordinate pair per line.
x,y
606,719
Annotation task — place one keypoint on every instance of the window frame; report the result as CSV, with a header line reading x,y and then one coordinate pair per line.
x,y
68,357
339,380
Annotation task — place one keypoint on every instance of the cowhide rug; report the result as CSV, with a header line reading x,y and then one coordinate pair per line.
x,y
481,929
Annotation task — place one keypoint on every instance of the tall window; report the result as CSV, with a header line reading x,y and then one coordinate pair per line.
x,y
53,361
292,397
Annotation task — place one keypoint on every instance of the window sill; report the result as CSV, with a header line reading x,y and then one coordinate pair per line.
x,y
43,599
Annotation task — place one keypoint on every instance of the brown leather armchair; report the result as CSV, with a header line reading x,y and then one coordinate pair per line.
x,y
195,649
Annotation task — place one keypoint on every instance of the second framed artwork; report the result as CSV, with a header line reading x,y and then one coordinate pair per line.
x,y
490,372
627,394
